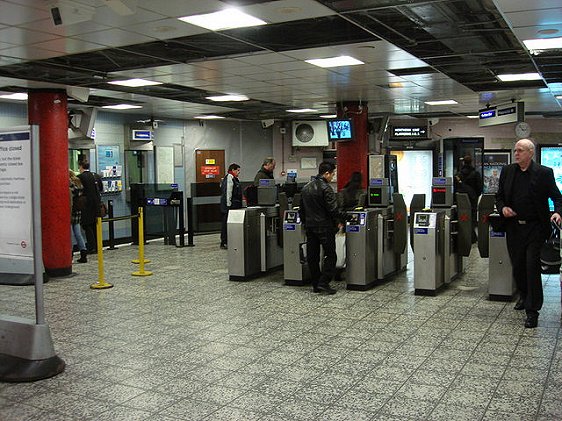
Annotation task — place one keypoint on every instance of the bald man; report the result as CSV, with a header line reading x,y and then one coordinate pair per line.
x,y
522,199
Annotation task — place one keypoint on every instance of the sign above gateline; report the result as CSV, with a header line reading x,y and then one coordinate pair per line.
x,y
501,114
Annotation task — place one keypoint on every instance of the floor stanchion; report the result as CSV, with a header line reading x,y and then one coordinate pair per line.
x,y
141,260
101,283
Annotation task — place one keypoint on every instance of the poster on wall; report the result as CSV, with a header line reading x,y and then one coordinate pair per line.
x,y
15,194
164,164
108,157
492,166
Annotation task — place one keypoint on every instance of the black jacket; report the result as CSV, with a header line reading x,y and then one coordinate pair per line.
x,y
236,194
319,207
471,183
262,173
91,191
543,187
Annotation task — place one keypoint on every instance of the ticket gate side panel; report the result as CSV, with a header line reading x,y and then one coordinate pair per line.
x,y
361,235
429,254
416,205
501,285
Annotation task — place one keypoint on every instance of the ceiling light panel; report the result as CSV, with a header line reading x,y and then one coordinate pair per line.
x,y
224,19
226,98
543,43
442,102
122,107
19,96
335,61
134,83
519,77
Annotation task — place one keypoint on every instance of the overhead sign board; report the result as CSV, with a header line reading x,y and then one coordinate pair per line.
x,y
143,135
409,132
502,114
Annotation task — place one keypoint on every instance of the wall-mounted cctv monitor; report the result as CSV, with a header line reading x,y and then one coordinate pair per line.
x,y
340,130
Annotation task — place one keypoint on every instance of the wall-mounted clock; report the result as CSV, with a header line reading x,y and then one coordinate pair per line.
x,y
522,130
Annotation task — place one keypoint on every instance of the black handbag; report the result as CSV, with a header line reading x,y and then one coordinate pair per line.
x,y
550,252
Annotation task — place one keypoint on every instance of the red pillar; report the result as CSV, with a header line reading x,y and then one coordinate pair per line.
x,y
48,109
352,156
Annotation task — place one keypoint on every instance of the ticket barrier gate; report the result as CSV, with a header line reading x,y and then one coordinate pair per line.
x,y
493,245
442,236
376,238
253,242
295,267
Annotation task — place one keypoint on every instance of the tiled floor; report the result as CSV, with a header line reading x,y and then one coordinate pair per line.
x,y
187,344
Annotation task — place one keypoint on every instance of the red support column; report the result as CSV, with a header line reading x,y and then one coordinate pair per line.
x,y
352,156
48,109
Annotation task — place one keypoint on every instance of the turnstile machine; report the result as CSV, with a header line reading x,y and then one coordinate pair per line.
x,y
253,242
376,237
493,245
295,267
442,236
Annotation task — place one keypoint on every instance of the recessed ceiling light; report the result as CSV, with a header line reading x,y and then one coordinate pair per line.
x,y
335,61
519,77
302,110
224,19
225,98
328,116
395,85
549,31
472,116
122,106
208,117
443,102
135,83
543,43
558,96
19,96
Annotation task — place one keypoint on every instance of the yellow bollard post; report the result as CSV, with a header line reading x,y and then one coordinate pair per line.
x,y
141,234
100,284
141,261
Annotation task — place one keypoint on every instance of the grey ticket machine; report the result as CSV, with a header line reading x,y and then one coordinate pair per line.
x,y
253,242
295,268
376,237
448,238
492,244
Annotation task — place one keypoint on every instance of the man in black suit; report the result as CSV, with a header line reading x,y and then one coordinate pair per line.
x,y
522,199
93,205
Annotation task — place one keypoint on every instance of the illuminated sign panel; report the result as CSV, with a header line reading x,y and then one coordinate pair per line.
x,y
502,114
409,132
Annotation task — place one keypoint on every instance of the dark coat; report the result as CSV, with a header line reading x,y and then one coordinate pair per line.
x,y
543,186
319,207
262,173
91,191
470,183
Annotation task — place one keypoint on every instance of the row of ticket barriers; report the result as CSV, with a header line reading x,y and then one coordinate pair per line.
x,y
272,236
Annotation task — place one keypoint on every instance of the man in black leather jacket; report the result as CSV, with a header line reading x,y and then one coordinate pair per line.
x,y
321,217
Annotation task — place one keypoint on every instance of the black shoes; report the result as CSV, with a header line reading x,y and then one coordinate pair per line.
x,y
532,321
224,246
520,305
326,289
83,257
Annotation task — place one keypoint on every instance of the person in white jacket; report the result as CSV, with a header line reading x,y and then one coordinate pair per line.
x,y
231,198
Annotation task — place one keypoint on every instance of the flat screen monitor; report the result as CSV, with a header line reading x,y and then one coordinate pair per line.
x,y
340,130
551,156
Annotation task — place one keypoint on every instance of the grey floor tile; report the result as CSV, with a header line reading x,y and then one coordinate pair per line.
x,y
189,344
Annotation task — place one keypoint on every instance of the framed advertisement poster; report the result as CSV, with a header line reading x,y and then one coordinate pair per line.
x,y
493,162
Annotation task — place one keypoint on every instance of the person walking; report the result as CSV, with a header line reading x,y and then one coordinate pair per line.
x,y
231,198
92,209
77,204
322,219
522,199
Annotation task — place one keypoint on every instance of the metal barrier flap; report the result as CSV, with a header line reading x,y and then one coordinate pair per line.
x,y
416,205
464,224
486,206
400,224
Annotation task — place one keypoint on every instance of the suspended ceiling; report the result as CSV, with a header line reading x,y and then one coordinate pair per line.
x,y
426,50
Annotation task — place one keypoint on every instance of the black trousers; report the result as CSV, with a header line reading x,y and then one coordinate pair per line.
x,y
90,231
224,237
524,244
325,237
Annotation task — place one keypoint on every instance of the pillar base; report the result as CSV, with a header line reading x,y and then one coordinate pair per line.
x,y
17,370
59,272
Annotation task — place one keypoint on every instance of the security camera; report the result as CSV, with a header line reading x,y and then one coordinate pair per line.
x,y
57,18
267,123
